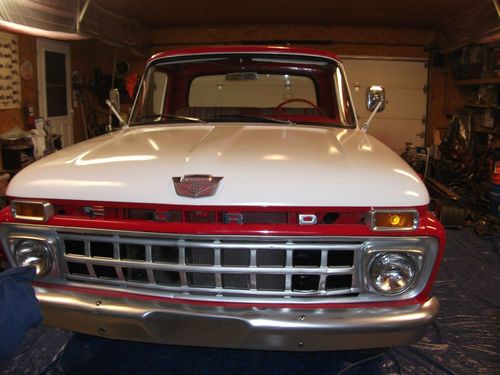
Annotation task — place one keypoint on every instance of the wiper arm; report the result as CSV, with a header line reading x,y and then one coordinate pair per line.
x,y
250,117
162,117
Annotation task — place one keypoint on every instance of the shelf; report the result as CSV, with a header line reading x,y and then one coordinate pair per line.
x,y
481,129
481,106
478,81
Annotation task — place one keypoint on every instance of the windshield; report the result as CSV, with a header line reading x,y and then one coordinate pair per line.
x,y
244,88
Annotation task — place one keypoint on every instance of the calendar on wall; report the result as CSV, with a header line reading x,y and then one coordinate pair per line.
x,y
10,86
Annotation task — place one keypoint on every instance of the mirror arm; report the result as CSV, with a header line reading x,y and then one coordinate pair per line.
x,y
115,112
366,125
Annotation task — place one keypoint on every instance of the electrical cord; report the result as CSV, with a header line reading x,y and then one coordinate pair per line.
x,y
364,360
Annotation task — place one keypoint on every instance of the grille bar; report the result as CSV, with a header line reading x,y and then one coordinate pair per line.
x,y
197,268
230,244
232,267
224,291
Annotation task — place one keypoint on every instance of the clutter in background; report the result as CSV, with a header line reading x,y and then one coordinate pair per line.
x,y
21,148
462,175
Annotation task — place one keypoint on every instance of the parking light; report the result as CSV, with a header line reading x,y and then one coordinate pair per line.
x,y
33,211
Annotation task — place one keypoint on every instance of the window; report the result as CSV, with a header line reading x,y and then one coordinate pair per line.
x,y
154,91
250,90
55,76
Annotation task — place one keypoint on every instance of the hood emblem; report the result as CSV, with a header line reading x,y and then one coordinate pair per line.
x,y
196,185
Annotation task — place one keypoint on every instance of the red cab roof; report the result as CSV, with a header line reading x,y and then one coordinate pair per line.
x,y
244,49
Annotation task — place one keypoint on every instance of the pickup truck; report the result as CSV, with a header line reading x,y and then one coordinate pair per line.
x,y
240,206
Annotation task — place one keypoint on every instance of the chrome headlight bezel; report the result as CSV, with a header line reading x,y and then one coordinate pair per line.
x,y
45,250
411,260
422,253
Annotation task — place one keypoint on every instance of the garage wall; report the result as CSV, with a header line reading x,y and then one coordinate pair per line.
x,y
444,98
403,80
10,118
88,55
356,41
344,40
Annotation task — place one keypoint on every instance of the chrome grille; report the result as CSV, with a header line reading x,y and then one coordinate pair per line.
x,y
236,266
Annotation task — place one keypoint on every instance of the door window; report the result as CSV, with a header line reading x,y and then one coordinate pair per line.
x,y
55,81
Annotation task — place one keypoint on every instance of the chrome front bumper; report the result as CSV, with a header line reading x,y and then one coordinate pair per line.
x,y
262,328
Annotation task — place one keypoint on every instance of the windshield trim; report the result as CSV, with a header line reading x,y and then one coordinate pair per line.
x,y
286,54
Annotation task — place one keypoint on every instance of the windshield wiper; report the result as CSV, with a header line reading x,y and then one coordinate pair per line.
x,y
163,117
237,117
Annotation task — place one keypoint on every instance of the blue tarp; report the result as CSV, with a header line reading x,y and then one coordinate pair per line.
x,y
465,339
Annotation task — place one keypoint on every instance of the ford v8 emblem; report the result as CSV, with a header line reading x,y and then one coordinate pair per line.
x,y
196,186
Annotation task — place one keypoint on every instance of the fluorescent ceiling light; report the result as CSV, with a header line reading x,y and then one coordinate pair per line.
x,y
14,27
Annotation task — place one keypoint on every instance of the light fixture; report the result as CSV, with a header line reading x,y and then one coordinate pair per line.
x,y
392,272
386,220
23,29
33,253
31,210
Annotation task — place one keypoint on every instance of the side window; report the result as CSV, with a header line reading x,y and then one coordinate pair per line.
x,y
154,90
159,90
344,104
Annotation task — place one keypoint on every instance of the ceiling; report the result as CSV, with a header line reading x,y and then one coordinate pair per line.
x,y
410,14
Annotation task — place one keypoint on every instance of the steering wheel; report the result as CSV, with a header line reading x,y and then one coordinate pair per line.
x,y
279,107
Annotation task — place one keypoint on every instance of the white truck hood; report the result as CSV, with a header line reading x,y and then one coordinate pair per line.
x,y
265,165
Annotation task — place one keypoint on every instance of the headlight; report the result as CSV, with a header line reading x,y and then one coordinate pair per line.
x,y
392,273
34,253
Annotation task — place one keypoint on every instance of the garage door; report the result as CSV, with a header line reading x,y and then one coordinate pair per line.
x,y
403,119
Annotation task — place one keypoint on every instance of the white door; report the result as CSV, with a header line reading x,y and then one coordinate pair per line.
x,y
54,87
403,119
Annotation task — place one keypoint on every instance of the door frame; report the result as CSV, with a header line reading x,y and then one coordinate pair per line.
x,y
63,48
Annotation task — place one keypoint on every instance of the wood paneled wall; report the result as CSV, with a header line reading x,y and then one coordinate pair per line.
x,y
444,99
87,56
10,118
344,40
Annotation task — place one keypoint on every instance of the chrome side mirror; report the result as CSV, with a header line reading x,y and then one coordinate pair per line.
x,y
114,98
375,94
114,106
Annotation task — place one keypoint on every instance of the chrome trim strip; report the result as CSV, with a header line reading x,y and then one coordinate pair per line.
x,y
384,58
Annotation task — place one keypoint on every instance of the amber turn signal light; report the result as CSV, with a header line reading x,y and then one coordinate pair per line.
x,y
34,211
393,220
